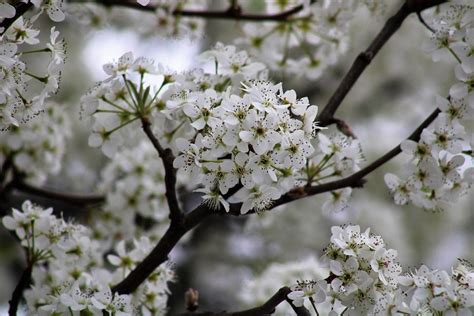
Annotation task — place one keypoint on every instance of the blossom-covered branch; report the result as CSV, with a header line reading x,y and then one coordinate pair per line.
x,y
353,181
200,213
326,116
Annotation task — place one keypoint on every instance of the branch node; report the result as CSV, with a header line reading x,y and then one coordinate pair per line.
x,y
344,128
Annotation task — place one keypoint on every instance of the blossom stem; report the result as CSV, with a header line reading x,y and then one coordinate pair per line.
x,y
116,105
135,101
454,55
40,79
36,51
314,306
155,95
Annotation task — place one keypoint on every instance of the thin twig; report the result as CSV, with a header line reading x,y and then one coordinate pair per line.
x,y
18,292
363,59
422,20
233,13
79,199
167,157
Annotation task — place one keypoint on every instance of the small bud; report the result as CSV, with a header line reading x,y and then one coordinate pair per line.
x,y
191,298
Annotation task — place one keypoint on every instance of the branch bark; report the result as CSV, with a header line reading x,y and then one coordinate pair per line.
x,y
233,13
267,308
78,199
18,292
159,254
167,157
326,116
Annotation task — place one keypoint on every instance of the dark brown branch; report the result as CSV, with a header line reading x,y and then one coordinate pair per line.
x,y
363,59
6,167
159,254
167,157
299,310
18,292
20,8
233,13
79,199
266,308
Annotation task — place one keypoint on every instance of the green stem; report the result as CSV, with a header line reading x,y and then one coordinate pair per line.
x,y
122,125
36,51
115,105
41,79
130,93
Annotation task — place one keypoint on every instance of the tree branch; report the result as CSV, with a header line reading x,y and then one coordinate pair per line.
x,y
159,254
266,308
18,292
21,8
233,13
326,116
167,157
78,199
299,310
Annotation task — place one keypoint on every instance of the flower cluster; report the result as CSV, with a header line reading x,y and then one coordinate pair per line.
x,y
228,129
20,100
37,149
306,43
260,139
68,270
437,174
438,291
365,279
336,156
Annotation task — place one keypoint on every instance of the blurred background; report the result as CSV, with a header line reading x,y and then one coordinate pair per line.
x,y
223,254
